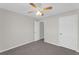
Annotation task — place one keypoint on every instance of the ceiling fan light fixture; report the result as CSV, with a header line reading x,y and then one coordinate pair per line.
x,y
39,13
39,10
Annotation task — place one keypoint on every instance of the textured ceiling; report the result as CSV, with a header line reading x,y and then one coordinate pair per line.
x,y
23,8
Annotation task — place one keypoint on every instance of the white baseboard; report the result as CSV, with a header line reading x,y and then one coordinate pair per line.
x,y
52,43
15,46
61,46
77,51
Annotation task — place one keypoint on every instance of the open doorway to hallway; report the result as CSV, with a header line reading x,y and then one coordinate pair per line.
x,y
38,30
42,31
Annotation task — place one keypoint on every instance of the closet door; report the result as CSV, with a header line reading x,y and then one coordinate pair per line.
x,y
68,31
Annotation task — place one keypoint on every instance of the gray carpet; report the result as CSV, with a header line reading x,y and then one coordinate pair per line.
x,y
39,48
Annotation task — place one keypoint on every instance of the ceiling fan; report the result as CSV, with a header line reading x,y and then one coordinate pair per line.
x,y
39,10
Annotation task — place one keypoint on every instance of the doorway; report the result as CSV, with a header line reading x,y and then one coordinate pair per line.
x,y
38,30
42,31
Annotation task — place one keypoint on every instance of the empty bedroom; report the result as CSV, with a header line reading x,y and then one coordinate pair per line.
x,y
39,28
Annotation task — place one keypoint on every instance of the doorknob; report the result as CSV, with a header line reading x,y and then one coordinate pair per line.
x,y
61,33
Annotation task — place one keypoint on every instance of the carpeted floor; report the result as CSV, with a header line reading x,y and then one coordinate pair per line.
x,y
39,48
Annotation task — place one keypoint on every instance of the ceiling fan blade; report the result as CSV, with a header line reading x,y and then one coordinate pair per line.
x,y
48,8
33,5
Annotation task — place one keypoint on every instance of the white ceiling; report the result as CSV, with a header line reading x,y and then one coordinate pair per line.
x,y
23,8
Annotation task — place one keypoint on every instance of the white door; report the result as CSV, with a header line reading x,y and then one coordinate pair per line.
x,y
36,30
68,31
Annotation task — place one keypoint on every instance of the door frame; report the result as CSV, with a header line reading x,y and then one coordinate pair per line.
x,y
36,30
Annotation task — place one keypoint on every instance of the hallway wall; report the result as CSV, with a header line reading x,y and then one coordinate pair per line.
x,y
41,30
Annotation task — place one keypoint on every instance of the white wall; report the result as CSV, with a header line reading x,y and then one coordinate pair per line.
x,y
50,29
78,35
15,29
